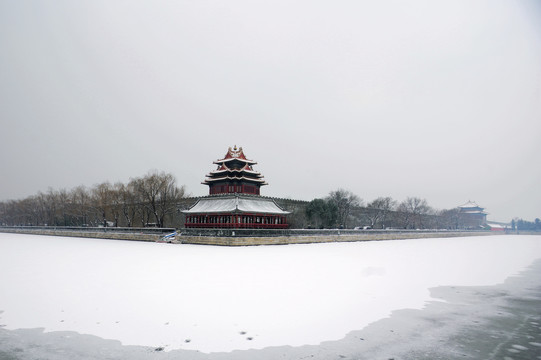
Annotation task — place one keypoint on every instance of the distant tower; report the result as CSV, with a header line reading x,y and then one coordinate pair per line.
x,y
234,175
472,216
234,199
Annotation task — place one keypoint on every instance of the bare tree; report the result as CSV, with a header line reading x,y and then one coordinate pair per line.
x,y
152,198
3,213
128,202
144,212
159,194
411,212
28,211
49,203
168,198
64,205
101,202
344,200
449,219
379,209
116,202
80,199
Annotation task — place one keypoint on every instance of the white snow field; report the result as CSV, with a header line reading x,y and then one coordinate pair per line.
x,y
224,298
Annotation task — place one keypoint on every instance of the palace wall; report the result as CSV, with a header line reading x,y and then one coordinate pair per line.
x,y
359,216
287,237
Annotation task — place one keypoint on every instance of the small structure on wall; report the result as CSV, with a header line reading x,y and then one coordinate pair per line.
x,y
472,216
234,199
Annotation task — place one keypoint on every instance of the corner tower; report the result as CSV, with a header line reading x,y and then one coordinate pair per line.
x,y
234,174
472,216
234,200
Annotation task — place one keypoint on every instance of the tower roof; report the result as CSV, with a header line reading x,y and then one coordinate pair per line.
x,y
224,169
470,204
209,180
236,204
234,173
235,154
472,208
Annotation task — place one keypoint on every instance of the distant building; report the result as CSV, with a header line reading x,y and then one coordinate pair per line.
x,y
234,199
497,226
472,216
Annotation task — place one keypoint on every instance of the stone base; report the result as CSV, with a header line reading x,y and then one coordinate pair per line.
x,y
299,239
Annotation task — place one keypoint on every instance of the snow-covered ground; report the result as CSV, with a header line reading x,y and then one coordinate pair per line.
x,y
220,298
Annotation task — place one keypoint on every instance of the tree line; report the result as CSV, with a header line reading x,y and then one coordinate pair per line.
x,y
524,225
150,200
343,209
154,200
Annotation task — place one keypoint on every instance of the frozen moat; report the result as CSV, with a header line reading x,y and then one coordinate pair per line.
x,y
219,299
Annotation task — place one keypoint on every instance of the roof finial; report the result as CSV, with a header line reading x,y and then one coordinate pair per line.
x,y
235,148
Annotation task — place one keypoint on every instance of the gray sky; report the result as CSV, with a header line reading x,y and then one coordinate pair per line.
x,y
435,99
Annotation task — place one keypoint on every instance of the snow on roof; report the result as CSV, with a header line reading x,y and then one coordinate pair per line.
x,y
235,204
259,206
236,177
245,168
221,161
260,180
474,212
470,204
234,154
498,226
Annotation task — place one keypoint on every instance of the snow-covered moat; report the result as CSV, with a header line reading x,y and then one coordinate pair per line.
x,y
220,299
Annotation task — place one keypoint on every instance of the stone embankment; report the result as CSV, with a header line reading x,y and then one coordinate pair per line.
x,y
292,236
133,234
320,238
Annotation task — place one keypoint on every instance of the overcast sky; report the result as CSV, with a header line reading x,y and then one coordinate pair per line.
x,y
435,99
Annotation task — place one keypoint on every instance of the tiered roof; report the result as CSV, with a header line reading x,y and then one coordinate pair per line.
x,y
235,154
236,204
472,208
235,167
